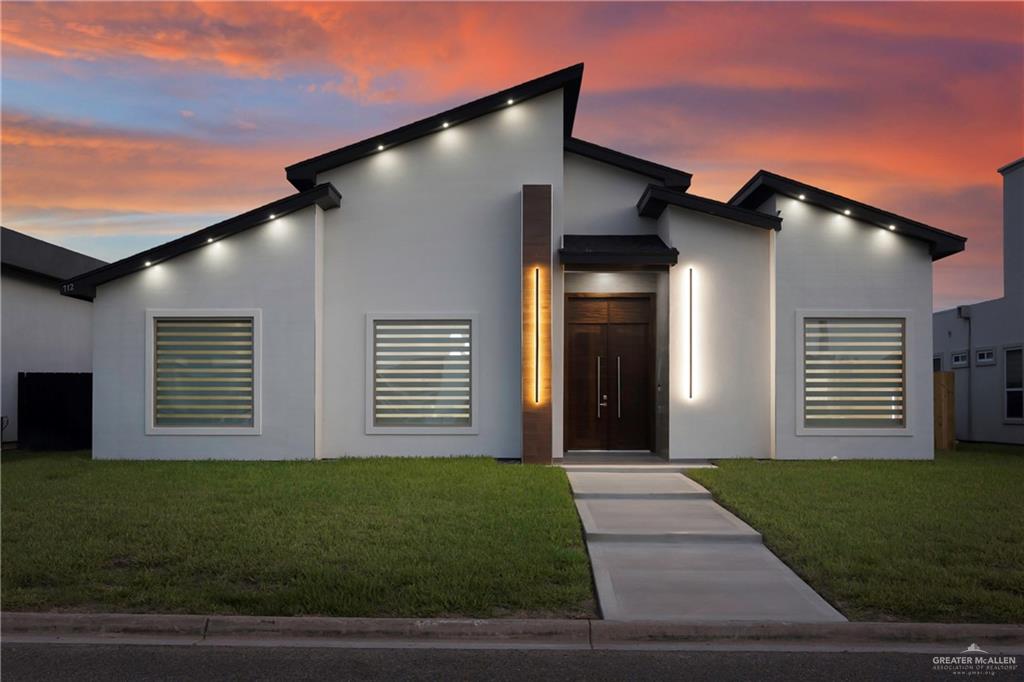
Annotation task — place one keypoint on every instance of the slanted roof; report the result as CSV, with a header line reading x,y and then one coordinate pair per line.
x,y
84,286
1012,166
617,251
654,200
764,184
28,254
669,177
303,174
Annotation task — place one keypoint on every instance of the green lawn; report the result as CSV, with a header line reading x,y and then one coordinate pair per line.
x,y
376,537
938,541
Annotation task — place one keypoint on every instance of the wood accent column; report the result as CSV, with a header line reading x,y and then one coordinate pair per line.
x,y
536,328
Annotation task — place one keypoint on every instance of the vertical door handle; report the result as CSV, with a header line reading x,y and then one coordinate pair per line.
x,y
598,386
618,382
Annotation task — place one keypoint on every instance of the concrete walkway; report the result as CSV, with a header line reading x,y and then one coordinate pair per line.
x,y
662,549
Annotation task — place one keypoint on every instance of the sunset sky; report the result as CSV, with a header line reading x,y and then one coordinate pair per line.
x,y
125,125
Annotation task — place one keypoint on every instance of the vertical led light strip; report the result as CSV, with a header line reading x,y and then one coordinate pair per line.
x,y
690,326
536,335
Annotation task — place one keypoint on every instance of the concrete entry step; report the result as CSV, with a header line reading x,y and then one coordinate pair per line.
x,y
661,520
707,582
639,468
596,485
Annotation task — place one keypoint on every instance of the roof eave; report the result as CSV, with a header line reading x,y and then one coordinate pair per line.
x,y
655,199
672,178
304,173
765,184
84,286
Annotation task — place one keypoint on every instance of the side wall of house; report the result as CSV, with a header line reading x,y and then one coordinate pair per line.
x,y
42,332
719,400
995,325
827,262
269,267
433,227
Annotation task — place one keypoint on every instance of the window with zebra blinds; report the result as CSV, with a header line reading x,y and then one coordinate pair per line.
x,y
203,372
854,372
422,373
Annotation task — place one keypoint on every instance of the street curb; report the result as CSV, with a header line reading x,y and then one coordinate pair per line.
x,y
155,624
548,632
555,632
561,633
616,633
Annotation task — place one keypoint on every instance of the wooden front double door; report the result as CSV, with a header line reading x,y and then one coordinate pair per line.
x,y
609,372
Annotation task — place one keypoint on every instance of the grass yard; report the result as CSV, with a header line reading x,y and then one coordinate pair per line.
x,y
376,537
938,541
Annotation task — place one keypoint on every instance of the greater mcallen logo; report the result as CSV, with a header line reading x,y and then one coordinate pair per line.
x,y
974,661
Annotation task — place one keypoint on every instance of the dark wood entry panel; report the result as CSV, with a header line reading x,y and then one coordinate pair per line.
x,y
609,372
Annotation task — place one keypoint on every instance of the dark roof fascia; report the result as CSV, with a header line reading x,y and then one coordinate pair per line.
x,y
654,200
84,286
617,252
764,184
1013,165
672,178
26,254
303,174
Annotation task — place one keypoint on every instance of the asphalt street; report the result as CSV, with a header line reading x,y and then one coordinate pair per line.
x,y
51,662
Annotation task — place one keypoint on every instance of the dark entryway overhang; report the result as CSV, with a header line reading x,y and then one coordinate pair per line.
x,y
616,252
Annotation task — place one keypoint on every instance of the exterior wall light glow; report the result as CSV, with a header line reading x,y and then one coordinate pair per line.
x,y
148,264
892,227
846,212
380,147
272,216
509,101
445,124
209,240
802,197
690,328
536,335
687,347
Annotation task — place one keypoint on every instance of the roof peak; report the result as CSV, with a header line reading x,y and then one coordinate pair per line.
x,y
303,174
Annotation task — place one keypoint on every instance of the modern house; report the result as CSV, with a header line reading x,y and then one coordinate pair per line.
x,y
41,330
983,343
482,282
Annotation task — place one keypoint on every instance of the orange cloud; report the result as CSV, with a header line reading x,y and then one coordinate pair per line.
x,y
87,167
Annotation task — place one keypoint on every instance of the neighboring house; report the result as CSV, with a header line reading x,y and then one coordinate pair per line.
x,y
492,285
983,343
42,331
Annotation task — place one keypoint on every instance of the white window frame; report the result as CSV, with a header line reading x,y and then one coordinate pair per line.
x,y
954,363
1006,365
474,377
908,423
257,373
978,362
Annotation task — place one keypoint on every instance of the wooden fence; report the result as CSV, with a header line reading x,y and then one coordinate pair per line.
x,y
945,410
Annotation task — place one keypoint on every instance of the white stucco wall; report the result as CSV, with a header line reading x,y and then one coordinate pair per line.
x,y
434,226
601,198
42,331
728,415
270,267
827,261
